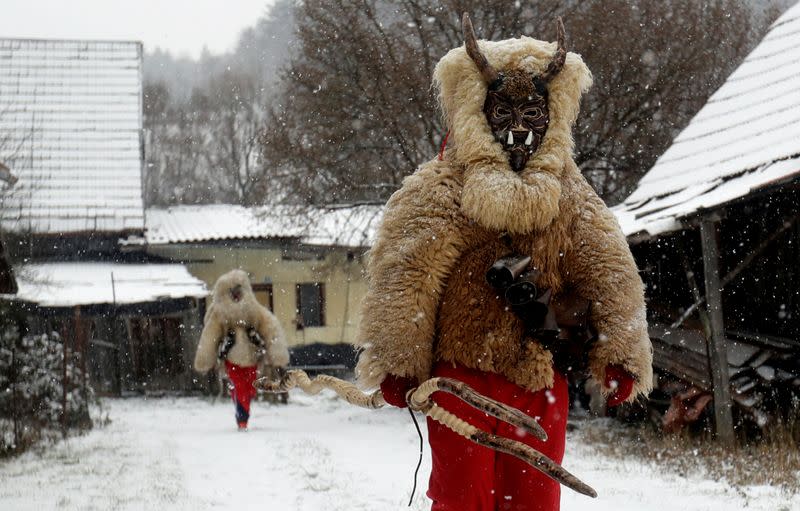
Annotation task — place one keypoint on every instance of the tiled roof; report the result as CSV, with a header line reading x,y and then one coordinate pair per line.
x,y
70,126
344,226
746,137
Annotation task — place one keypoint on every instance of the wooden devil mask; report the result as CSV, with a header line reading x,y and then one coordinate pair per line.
x,y
516,101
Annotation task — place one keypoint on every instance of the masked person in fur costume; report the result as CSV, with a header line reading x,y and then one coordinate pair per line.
x,y
244,334
506,187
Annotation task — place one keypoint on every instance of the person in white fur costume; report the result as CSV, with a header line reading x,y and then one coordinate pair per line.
x,y
244,334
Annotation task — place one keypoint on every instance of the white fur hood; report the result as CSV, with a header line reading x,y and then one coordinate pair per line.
x,y
494,195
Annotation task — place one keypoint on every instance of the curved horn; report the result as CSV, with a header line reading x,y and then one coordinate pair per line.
x,y
557,63
345,390
488,72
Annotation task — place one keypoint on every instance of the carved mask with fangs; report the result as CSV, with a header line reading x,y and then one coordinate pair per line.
x,y
516,105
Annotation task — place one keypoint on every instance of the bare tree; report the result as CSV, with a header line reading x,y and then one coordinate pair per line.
x,y
655,65
18,127
203,117
234,120
175,141
355,113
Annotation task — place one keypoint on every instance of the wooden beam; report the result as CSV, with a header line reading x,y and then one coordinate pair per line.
x,y
64,382
717,352
81,345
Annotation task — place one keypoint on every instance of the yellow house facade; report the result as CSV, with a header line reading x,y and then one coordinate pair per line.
x,y
305,265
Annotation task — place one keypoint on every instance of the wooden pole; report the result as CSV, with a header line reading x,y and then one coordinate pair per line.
x,y
717,351
116,340
80,347
64,384
15,387
81,341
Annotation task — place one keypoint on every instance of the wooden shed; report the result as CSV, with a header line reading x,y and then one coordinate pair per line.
x,y
713,226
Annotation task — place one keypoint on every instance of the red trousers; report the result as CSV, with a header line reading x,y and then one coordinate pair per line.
x,y
243,392
468,477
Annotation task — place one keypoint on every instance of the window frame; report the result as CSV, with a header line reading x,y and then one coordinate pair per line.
x,y
265,287
320,286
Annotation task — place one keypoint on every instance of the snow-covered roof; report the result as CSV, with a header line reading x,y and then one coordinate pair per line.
x,y
185,224
342,227
352,226
68,284
745,138
70,126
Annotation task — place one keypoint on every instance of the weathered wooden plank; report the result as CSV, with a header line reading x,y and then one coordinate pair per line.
x,y
778,343
761,359
717,349
682,355
766,373
684,371
738,352
678,337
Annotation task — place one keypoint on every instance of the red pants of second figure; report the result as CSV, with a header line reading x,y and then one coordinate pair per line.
x,y
243,392
468,477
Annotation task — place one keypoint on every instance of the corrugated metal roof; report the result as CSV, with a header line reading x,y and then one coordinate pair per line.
x,y
746,136
70,125
344,226
71,284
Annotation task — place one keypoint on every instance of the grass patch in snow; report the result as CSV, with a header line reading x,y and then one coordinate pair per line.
x,y
770,461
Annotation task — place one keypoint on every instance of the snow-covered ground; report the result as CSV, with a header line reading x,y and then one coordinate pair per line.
x,y
314,454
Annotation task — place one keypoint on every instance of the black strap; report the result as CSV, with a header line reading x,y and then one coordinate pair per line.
x,y
255,337
419,463
230,340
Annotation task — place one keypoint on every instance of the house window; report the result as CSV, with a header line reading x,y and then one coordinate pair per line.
x,y
263,292
310,305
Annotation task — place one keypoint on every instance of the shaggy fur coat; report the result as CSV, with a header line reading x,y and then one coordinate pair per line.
x,y
428,299
225,314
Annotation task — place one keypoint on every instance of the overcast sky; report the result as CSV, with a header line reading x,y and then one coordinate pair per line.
x,y
180,26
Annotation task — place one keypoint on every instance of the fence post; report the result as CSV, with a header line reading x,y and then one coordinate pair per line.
x,y
14,400
64,384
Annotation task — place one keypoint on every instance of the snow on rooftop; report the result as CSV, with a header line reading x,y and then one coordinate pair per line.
x,y
70,125
352,226
745,138
186,224
343,227
68,284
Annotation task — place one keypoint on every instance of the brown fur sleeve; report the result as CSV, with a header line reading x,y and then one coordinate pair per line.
x,y
213,330
417,244
602,268
270,330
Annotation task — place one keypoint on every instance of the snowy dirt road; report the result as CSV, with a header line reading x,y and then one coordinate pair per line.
x,y
314,454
